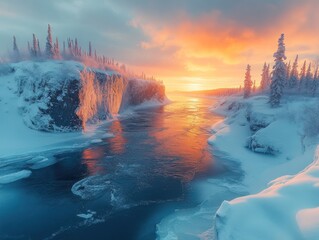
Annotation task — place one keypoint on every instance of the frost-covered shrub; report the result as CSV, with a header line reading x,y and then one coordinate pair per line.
x,y
258,120
235,106
256,144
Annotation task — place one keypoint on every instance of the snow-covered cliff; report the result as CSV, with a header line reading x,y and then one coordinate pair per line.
x,y
65,95
44,104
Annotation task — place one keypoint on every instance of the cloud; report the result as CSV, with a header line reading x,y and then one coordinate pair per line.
x,y
207,40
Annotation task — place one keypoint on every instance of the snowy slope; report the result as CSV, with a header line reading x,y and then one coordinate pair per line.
x,y
282,145
288,209
277,148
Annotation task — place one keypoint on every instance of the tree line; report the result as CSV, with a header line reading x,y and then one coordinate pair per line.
x,y
284,78
70,50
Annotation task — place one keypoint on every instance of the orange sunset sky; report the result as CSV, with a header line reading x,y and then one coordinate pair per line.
x,y
191,45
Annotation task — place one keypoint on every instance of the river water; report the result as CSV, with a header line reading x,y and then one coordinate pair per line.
x,y
126,184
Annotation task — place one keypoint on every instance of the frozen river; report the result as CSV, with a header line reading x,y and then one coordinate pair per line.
x,y
123,186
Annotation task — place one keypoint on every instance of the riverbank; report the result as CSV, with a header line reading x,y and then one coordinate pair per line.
x,y
273,146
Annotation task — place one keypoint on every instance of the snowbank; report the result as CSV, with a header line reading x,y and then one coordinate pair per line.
x,y
288,209
278,146
269,144
12,177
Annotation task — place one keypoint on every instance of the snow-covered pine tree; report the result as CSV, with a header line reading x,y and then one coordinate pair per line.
x,y
56,49
76,47
39,49
90,49
269,75
49,51
264,78
34,50
288,70
293,80
278,74
16,52
315,80
15,46
302,77
309,78
247,83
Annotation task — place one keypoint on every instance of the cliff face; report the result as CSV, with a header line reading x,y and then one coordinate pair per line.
x,y
65,95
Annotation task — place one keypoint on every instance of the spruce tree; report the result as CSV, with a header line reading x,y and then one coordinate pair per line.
x,y
247,83
302,76
308,78
49,51
15,46
90,49
56,49
315,83
288,67
279,74
293,80
16,53
34,49
264,78
268,74
39,49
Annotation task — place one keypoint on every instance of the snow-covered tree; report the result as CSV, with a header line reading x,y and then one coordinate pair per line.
x,y
15,46
302,76
34,49
308,78
49,50
16,52
288,67
56,49
38,47
247,83
293,80
264,82
314,86
76,47
279,74
90,49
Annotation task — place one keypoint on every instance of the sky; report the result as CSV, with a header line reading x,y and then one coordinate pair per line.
x,y
189,44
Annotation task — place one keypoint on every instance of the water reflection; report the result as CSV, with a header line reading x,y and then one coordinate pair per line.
x,y
91,157
182,147
117,143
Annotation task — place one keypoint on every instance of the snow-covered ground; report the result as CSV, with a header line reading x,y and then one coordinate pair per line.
x,y
273,147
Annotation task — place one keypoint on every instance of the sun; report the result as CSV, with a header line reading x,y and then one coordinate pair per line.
x,y
194,87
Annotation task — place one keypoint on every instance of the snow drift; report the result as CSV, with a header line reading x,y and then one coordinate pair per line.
x,y
270,143
65,95
288,209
